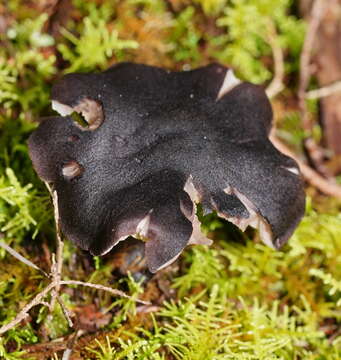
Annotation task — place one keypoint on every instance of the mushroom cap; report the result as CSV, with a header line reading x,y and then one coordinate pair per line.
x,y
157,143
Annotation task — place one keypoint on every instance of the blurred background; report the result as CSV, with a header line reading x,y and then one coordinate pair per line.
x,y
235,300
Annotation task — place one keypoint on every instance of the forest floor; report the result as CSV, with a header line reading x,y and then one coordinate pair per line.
x,y
237,299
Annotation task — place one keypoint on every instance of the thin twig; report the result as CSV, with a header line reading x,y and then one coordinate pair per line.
x,y
324,91
45,304
66,354
71,344
317,13
313,177
102,287
60,243
315,153
38,299
57,264
24,311
54,286
21,258
56,279
276,85
65,310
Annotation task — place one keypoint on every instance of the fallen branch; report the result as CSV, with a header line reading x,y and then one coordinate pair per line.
x,y
313,177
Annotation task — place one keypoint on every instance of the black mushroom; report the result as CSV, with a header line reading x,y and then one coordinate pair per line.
x,y
156,144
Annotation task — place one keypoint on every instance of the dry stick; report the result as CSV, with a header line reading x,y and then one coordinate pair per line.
x,y
317,13
56,282
324,91
71,343
102,287
314,151
60,247
56,263
60,243
67,354
65,310
38,299
308,173
20,257
276,85
54,286
24,312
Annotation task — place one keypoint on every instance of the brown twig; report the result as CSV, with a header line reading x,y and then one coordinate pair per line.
x,y
21,258
24,311
56,283
71,344
68,315
38,299
317,12
102,287
313,150
324,91
313,177
57,263
276,85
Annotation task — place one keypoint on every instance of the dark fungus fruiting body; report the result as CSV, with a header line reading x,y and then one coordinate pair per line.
x,y
157,143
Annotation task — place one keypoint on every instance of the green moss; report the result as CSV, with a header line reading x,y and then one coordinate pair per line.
x,y
236,300
97,40
247,41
